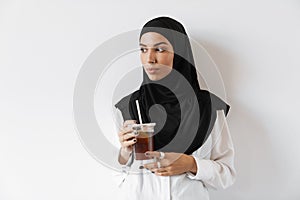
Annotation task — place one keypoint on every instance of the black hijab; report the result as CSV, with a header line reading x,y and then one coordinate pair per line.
x,y
184,113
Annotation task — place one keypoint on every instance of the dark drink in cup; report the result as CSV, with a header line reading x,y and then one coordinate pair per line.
x,y
144,140
144,143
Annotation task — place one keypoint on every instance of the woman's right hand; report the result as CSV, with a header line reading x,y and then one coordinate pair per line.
x,y
127,137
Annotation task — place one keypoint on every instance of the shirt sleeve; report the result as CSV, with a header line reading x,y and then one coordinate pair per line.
x,y
120,175
119,124
217,172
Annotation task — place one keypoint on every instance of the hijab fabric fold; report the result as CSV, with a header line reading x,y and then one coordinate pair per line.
x,y
184,114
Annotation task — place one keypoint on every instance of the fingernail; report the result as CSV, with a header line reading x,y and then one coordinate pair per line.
x,y
135,133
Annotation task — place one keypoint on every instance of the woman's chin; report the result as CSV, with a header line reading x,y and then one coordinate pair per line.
x,y
154,77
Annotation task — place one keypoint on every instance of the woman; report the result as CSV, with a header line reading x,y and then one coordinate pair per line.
x,y
193,149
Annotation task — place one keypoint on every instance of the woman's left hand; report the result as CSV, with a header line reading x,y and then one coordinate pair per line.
x,y
171,163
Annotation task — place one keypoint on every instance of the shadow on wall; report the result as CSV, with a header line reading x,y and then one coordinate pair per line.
x,y
257,172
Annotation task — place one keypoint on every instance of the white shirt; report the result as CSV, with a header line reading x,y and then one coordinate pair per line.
x,y
215,170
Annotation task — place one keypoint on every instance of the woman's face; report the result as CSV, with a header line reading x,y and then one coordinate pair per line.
x,y
156,55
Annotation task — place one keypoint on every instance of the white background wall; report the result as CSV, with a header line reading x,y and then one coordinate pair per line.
x,y
43,44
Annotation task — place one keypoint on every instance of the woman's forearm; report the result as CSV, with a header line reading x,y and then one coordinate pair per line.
x,y
192,165
123,156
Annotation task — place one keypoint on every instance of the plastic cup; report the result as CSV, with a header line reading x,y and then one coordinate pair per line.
x,y
144,141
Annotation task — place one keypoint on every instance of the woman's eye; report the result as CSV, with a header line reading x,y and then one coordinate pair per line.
x,y
160,49
143,50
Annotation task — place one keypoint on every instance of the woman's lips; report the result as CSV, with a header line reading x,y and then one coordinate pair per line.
x,y
152,70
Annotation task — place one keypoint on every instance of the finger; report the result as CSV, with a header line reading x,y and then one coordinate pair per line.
x,y
124,132
165,173
152,166
128,143
152,154
158,170
128,122
163,170
128,136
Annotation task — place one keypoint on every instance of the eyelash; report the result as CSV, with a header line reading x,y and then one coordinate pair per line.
x,y
158,49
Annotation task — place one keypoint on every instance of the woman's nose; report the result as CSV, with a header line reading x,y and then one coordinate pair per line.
x,y
151,57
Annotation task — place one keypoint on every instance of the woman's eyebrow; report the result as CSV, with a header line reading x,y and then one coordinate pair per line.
x,y
154,44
